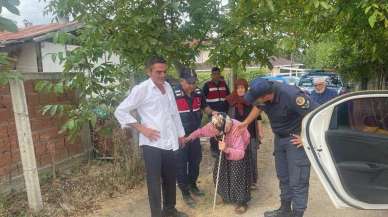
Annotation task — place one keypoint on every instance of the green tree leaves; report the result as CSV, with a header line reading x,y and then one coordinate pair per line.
x,y
11,6
116,38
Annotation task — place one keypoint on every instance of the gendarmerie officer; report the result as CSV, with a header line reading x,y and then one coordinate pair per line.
x,y
190,102
215,92
285,107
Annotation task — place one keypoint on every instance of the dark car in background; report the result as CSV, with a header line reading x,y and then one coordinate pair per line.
x,y
291,80
333,81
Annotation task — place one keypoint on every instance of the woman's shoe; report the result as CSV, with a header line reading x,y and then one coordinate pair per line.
x,y
241,209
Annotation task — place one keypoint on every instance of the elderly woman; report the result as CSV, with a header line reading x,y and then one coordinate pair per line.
x,y
239,109
234,178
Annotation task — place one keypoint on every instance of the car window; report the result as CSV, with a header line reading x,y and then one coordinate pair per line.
x,y
357,139
306,82
366,115
332,81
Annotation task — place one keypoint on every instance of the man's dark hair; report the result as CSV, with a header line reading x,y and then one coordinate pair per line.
x,y
154,60
216,69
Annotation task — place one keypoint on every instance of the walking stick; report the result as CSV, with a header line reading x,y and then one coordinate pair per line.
x,y
218,177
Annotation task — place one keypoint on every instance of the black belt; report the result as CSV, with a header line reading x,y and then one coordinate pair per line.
x,y
286,134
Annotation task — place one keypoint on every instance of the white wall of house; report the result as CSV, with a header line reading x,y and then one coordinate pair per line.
x,y
202,57
26,60
48,49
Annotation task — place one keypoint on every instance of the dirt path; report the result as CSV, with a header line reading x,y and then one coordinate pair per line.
x,y
135,203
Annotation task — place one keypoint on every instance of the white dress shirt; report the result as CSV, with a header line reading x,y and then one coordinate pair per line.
x,y
156,110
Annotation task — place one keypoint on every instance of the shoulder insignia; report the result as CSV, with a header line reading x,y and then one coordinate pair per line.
x,y
198,91
306,104
300,100
303,102
178,92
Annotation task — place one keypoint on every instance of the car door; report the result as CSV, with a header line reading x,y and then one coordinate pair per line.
x,y
346,140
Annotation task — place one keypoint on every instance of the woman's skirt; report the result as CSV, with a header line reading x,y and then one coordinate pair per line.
x,y
235,180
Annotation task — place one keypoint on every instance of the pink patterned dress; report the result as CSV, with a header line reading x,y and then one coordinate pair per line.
x,y
235,180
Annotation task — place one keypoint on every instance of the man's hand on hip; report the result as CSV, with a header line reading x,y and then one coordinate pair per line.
x,y
150,133
297,140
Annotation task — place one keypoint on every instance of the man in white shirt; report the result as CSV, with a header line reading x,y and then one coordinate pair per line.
x,y
161,132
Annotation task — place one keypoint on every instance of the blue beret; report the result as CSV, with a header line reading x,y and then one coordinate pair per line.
x,y
258,87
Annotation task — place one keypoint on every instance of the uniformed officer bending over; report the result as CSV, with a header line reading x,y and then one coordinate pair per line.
x,y
190,101
285,107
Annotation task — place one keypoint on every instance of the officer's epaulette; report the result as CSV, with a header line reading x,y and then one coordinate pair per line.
x,y
198,91
178,92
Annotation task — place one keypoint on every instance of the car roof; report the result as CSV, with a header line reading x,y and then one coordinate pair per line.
x,y
320,73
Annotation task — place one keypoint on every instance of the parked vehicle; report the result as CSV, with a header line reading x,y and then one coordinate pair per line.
x,y
276,78
346,140
291,80
333,81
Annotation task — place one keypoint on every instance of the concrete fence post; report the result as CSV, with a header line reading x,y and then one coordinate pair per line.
x,y
26,145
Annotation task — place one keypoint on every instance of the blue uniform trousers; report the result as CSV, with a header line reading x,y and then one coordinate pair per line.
x,y
189,159
293,171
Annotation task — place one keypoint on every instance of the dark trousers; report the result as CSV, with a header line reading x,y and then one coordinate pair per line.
x,y
189,159
161,177
293,171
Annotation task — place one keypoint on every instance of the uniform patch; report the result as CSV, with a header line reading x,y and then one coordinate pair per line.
x,y
178,93
303,102
306,104
300,100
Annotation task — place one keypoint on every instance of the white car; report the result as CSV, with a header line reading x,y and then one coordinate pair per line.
x,y
346,140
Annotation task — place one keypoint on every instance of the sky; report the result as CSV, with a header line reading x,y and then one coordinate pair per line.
x,y
32,10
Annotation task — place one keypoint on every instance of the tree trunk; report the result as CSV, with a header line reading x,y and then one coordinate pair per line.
x,y
381,78
178,66
364,83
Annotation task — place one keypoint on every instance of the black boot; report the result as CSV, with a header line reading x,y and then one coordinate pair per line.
x,y
297,213
283,211
195,190
173,213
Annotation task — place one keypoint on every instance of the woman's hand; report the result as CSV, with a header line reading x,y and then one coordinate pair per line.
x,y
182,141
221,145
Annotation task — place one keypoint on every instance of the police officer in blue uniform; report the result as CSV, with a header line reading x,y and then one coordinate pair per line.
x,y
285,107
190,102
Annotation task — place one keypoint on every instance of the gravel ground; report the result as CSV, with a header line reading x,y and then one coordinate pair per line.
x,y
135,203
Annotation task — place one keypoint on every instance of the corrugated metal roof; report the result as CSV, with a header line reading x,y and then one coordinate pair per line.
x,y
34,31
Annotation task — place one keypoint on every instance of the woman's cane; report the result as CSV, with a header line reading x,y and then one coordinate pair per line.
x,y
218,177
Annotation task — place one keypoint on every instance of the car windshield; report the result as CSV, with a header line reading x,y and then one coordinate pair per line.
x,y
306,82
331,81
291,79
